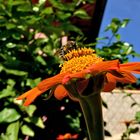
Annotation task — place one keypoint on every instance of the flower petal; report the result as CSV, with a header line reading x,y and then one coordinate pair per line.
x,y
131,67
60,137
60,92
74,75
104,66
41,87
49,82
117,73
110,83
127,77
111,80
30,96
67,136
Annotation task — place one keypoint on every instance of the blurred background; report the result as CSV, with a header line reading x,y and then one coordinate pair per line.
x,y
31,32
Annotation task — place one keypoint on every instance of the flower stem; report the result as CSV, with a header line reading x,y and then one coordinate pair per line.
x,y
92,109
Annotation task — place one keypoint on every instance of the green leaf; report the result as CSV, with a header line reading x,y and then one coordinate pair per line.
x,y
118,36
3,137
2,20
26,130
9,115
74,122
36,121
114,25
30,19
33,82
116,21
70,27
30,110
63,15
18,3
10,26
137,116
24,8
41,60
12,71
133,130
62,6
81,14
11,82
39,123
125,23
10,45
135,54
7,92
16,36
47,11
16,72
12,131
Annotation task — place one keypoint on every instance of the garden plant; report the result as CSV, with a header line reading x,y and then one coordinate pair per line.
x,y
31,34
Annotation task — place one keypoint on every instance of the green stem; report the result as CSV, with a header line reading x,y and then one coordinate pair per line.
x,y
92,109
91,104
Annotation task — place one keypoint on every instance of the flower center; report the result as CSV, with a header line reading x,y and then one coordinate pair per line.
x,y
80,59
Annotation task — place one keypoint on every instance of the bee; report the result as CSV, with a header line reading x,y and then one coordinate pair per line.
x,y
71,45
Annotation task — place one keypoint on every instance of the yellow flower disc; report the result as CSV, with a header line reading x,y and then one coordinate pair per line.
x,y
78,60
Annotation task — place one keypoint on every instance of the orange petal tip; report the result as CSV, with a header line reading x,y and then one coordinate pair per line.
x,y
60,92
30,96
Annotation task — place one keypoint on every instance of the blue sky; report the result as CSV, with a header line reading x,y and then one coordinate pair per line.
x,y
124,9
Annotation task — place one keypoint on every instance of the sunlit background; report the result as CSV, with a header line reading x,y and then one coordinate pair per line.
x,y
124,9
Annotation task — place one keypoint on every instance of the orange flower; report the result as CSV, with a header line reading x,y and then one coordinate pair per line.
x,y
80,65
67,136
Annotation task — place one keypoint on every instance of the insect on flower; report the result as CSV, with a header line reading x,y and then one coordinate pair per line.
x,y
81,66
71,45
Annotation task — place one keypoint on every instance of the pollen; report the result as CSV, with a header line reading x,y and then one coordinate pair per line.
x,y
79,52
80,59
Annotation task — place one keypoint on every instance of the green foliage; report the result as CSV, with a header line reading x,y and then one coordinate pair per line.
x,y
130,130
81,14
130,125
30,34
116,24
74,122
137,117
26,130
114,47
8,115
11,132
